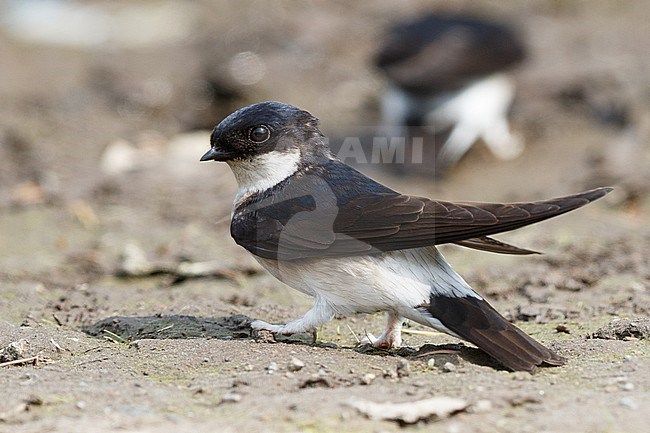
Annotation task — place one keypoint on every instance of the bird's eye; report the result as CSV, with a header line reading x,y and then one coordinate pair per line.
x,y
259,134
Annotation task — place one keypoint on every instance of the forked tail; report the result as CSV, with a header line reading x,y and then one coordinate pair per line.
x,y
475,320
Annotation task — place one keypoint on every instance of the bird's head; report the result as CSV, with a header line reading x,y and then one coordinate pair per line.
x,y
265,128
266,143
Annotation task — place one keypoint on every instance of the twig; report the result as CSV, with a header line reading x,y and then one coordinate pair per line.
x,y
90,361
58,321
165,328
33,359
353,333
418,332
113,337
438,352
56,345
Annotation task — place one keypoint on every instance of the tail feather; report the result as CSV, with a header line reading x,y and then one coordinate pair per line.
x,y
476,321
492,218
485,243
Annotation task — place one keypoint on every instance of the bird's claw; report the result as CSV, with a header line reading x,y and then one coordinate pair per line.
x,y
385,341
261,330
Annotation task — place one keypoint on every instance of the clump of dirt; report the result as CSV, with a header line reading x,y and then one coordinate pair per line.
x,y
622,329
130,328
14,350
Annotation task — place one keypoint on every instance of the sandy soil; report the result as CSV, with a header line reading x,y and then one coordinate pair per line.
x,y
167,351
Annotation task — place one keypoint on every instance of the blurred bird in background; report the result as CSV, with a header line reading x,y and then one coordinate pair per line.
x,y
448,76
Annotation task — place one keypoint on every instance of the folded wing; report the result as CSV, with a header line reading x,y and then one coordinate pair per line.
x,y
348,214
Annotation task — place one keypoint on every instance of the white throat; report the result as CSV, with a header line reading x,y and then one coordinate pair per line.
x,y
263,171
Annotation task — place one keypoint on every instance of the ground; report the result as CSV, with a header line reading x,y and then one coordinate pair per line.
x,y
112,327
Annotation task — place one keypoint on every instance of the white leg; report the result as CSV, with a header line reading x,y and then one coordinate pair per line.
x,y
318,315
392,335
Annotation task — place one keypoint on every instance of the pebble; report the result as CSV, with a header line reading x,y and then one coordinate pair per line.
x,y
403,368
628,386
81,405
629,403
448,367
231,397
482,406
431,363
520,376
367,379
15,350
563,328
389,373
295,364
272,368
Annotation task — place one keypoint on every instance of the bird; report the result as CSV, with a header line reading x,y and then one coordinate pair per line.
x,y
357,246
448,72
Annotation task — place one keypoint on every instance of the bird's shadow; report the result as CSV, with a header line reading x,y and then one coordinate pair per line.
x,y
125,329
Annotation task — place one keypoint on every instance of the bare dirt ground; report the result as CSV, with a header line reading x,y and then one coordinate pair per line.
x,y
97,285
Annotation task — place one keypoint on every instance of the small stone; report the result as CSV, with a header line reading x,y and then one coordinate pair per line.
x,y
14,351
240,383
81,405
448,367
403,368
481,406
316,381
264,336
248,367
431,363
562,328
367,379
524,399
133,261
231,397
272,368
629,403
628,386
295,364
520,376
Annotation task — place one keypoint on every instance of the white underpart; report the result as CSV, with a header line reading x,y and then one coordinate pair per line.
x,y
397,282
479,111
395,107
263,171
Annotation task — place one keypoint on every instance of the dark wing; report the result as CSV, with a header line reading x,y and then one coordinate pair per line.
x,y
442,52
317,220
444,222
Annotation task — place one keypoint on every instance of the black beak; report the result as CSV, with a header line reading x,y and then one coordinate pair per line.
x,y
216,155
